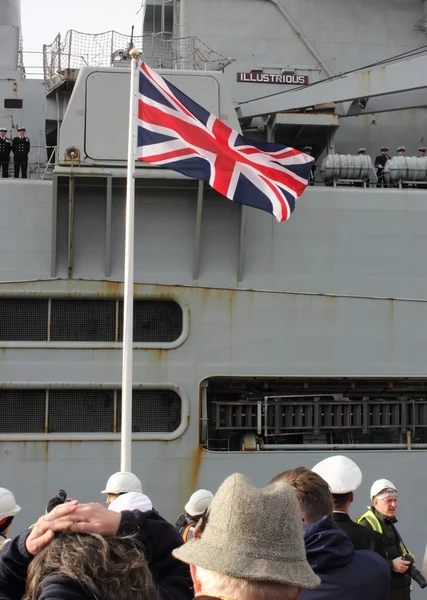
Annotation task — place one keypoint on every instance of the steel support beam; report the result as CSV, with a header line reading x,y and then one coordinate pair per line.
x,y
392,78
108,208
198,237
401,101
54,225
70,225
241,243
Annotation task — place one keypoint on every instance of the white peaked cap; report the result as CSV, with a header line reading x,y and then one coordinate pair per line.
x,y
131,501
381,484
198,503
340,473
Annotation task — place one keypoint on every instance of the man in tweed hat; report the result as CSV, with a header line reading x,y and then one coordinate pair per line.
x,y
249,545
346,573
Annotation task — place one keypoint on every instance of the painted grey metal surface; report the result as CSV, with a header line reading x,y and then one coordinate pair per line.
x,y
346,36
96,119
362,242
25,229
392,78
339,290
10,13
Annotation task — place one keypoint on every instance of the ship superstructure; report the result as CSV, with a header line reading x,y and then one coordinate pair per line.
x,y
258,346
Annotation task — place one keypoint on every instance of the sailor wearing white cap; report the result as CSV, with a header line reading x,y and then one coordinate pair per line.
x,y
344,477
21,149
5,149
381,517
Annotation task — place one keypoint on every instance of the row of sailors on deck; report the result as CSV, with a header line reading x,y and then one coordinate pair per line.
x,y
20,148
292,539
380,160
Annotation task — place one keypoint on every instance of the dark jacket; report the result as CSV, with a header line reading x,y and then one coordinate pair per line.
x,y
361,538
400,583
5,148
59,586
380,162
157,535
20,148
346,574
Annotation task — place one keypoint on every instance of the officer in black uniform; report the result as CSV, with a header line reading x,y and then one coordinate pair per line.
x,y
5,148
21,150
380,162
308,150
344,477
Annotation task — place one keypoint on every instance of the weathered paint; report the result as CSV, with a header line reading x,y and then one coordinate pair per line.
x,y
196,462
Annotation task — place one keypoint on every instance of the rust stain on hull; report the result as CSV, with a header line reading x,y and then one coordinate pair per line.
x,y
196,463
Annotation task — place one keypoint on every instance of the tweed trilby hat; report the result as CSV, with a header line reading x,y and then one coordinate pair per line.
x,y
251,533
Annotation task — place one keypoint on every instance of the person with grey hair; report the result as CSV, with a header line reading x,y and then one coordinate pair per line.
x,y
249,545
381,517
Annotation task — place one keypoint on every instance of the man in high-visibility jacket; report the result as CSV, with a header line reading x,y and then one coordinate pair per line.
x,y
381,517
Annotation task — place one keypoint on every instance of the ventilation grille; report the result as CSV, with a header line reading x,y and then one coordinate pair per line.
x,y
82,320
153,410
154,321
87,411
22,411
87,320
23,320
81,411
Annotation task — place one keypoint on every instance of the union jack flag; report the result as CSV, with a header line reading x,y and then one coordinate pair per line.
x,y
176,133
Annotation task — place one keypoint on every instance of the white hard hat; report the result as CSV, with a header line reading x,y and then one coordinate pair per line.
x,y
198,503
122,482
8,506
131,501
380,485
340,473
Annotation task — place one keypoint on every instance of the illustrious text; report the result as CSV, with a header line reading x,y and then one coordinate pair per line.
x,y
283,78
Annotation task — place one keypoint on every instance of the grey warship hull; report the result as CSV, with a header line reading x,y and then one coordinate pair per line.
x,y
258,346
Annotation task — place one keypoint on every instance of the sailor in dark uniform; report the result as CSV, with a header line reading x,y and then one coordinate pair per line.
x,y
308,150
380,162
344,477
362,151
20,149
5,148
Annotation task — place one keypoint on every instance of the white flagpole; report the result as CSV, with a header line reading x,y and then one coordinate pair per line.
x,y
126,438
